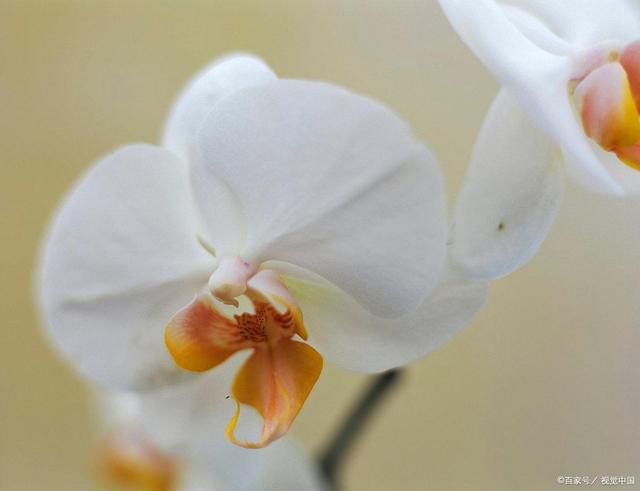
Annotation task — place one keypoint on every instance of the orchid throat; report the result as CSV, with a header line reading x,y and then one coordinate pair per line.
x,y
607,93
277,378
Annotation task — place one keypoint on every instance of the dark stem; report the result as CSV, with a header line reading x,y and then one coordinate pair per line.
x,y
334,455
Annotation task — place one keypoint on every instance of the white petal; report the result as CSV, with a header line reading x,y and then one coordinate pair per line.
x,y
121,258
280,466
537,79
283,465
200,477
332,182
587,22
175,417
219,79
537,30
510,196
223,221
352,338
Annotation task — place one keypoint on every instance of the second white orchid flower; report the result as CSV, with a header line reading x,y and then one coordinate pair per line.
x,y
171,440
570,71
270,199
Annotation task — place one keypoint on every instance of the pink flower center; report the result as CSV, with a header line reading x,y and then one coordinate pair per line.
x,y
607,94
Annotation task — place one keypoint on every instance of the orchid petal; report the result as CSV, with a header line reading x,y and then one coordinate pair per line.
x,y
121,258
337,174
586,22
178,415
200,337
219,79
285,466
536,30
282,465
223,220
537,79
275,380
199,477
351,337
510,196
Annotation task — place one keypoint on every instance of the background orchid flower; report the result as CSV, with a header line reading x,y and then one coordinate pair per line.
x,y
269,200
570,75
171,439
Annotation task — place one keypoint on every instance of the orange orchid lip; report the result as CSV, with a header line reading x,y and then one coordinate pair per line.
x,y
280,373
275,381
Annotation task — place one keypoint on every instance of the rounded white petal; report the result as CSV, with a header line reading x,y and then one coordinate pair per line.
x,y
351,337
121,258
224,232
332,182
538,79
510,196
217,80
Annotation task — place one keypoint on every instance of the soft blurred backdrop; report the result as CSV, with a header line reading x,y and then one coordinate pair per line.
x,y
543,383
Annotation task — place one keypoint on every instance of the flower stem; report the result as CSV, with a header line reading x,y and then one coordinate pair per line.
x,y
334,454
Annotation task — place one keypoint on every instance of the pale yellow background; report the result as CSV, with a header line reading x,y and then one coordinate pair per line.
x,y
543,383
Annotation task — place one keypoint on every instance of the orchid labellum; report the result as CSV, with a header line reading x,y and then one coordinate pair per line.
x,y
569,103
170,439
287,220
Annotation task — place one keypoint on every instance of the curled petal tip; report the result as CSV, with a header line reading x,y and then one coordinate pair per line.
x,y
275,381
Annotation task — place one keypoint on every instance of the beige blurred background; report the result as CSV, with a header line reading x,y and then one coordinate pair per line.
x,y
543,383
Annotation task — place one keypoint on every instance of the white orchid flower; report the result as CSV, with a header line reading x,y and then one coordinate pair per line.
x,y
570,75
171,439
269,199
